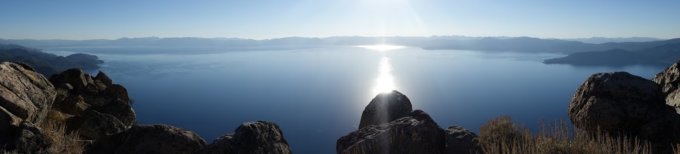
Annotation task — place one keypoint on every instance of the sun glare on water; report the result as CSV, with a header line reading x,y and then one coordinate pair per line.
x,y
381,47
385,80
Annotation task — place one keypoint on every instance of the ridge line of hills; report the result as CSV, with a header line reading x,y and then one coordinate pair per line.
x,y
614,54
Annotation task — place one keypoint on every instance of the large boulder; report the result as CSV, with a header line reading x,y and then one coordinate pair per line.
x,y
461,140
621,103
149,139
384,108
258,137
669,80
24,93
414,133
97,105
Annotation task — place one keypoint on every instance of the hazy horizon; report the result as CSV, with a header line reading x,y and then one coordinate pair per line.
x,y
324,37
264,19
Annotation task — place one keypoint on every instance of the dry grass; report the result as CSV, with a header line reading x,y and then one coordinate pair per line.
x,y
503,136
62,141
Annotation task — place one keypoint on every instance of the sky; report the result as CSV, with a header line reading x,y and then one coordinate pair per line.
x,y
262,19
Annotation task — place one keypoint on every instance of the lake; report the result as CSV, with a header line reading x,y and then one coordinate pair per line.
x,y
317,95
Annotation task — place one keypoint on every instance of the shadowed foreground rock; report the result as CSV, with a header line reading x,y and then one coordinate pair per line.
x,y
461,140
258,137
623,104
150,139
416,133
384,108
97,106
100,111
408,132
30,139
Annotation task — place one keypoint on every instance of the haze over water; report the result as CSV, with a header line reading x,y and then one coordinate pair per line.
x,y
317,95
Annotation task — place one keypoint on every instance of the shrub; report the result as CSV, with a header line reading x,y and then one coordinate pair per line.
x,y
502,135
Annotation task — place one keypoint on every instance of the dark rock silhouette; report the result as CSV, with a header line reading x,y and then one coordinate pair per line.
x,y
461,140
416,133
30,139
384,108
98,106
615,102
258,137
100,111
150,139
24,94
401,130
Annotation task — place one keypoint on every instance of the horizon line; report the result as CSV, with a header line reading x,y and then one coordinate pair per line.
x,y
325,37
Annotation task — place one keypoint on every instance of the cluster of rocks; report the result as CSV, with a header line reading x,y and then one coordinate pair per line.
x,y
619,103
100,111
616,103
389,125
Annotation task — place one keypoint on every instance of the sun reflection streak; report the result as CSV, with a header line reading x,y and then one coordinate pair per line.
x,y
381,47
385,80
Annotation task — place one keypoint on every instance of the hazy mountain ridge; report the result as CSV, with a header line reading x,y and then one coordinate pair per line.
x,y
600,40
662,53
200,45
47,63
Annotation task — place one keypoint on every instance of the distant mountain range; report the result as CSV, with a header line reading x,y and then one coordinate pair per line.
x,y
660,53
600,40
46,63
615,53
190,45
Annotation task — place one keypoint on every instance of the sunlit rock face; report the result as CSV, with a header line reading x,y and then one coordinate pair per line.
x,y
384,108
669,80
25,95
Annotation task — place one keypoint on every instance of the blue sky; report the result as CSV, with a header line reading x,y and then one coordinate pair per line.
x,y
259,19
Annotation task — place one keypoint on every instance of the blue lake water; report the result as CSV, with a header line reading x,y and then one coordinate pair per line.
x,y
317,95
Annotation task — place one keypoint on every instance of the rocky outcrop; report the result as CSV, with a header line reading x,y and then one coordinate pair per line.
x,y
384,108
150,139
415,133
669,80
389,126
100,111
258,137
461,140
98,106
623,104
24,94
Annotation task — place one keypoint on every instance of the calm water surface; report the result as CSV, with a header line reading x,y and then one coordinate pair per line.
x,y
317,95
